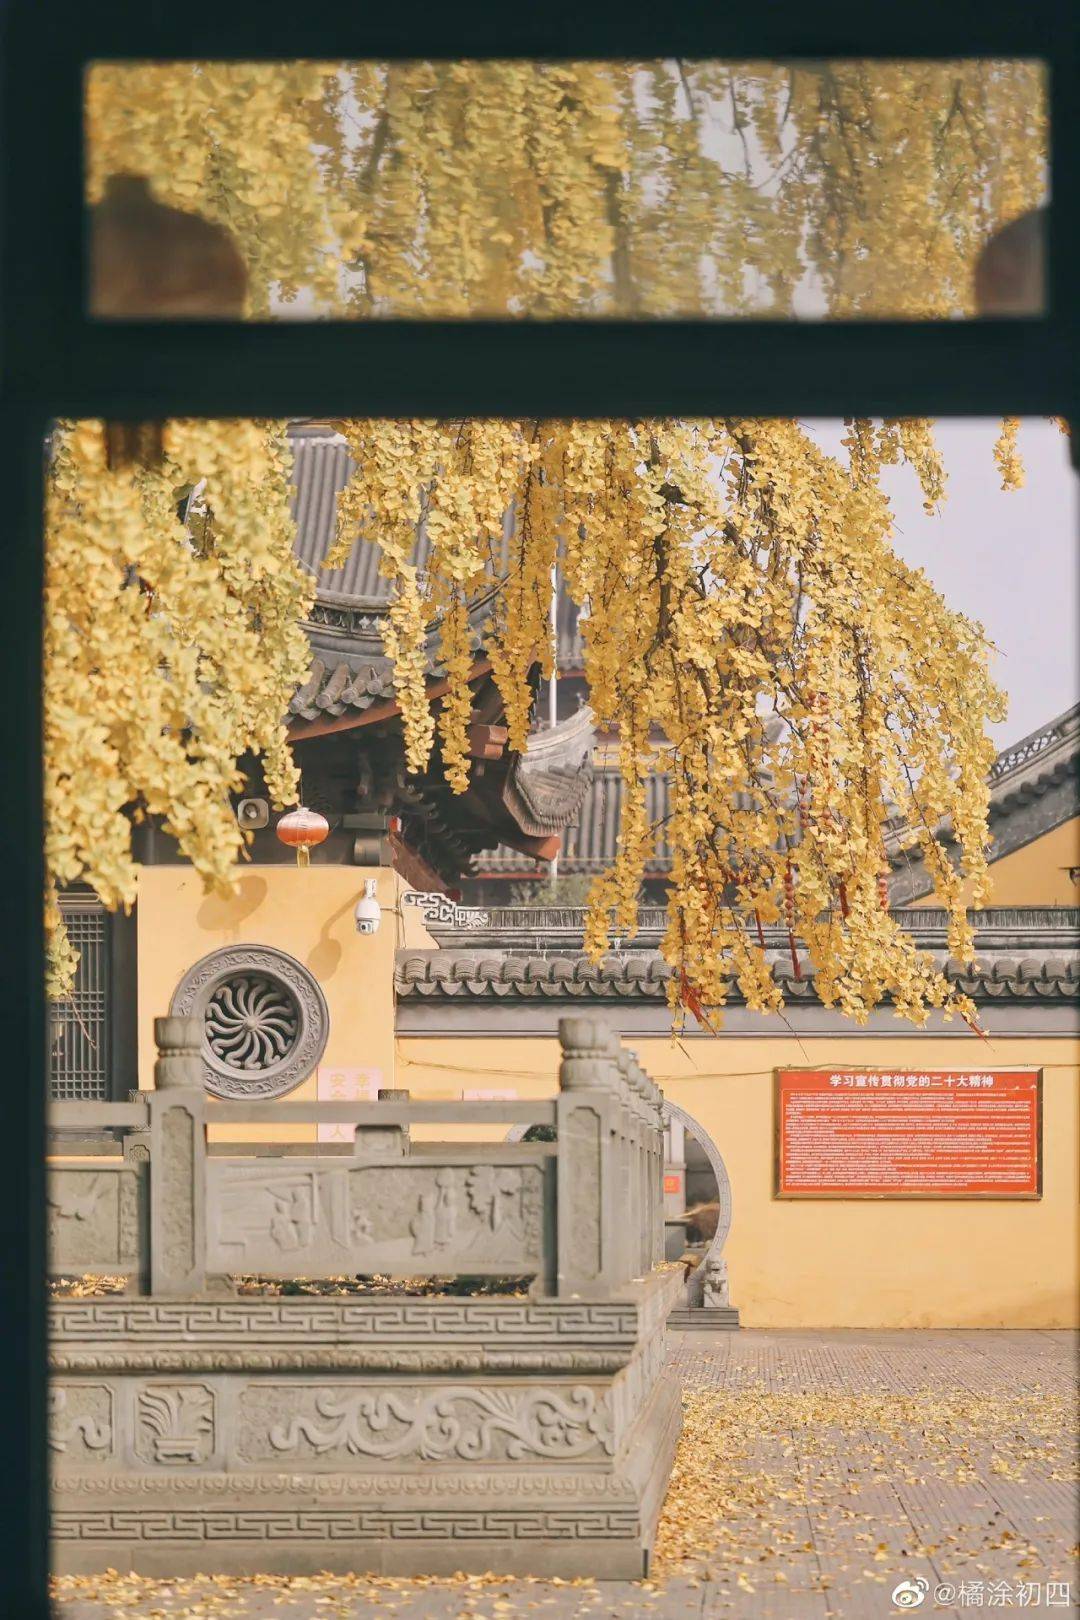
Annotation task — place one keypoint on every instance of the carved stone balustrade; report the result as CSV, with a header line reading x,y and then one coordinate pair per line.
x,y
195,1430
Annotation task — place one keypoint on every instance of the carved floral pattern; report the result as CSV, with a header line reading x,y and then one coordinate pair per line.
x,y
459,1424
252,1021
175,1423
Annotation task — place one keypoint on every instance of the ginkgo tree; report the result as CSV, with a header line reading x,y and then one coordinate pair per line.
x,y
742,595
173,642
744,602
563,188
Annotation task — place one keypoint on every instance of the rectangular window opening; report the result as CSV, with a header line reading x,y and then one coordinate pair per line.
x,y
533,190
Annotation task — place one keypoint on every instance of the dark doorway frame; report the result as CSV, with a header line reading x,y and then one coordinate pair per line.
x,y
57,363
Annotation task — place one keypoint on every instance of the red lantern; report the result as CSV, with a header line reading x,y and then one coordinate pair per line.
x,y
302,829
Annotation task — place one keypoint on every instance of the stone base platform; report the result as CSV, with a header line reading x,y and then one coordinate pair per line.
x,y
703,1318
387,1435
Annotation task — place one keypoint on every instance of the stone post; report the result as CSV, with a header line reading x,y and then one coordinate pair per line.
x,y
645,1167
650,1185
135,1210
178,1160
654,1171
642,1172
645,1158
588,1219
625,1191
635,1206
656,1098
383,1141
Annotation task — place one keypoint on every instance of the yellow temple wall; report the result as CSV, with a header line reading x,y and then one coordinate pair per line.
x,y
1037,874
307,913
836,1263
867,1263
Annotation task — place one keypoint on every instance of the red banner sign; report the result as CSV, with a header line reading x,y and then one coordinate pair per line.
x,y
862,1133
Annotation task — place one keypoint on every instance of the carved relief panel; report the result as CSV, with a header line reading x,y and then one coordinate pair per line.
x,y
81,1427
94,1219
174,1424
293,1424
404,1219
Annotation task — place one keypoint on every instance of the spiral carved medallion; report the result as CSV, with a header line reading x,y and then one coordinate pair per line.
x,y
265,1020
251,1021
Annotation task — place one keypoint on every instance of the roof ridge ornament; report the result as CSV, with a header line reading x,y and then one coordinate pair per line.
x,y
437,907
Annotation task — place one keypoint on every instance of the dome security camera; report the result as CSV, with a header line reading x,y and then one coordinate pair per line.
x,y
368,911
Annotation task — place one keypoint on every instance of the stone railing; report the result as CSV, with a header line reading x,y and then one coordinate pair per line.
x,y
194,1429
581,1215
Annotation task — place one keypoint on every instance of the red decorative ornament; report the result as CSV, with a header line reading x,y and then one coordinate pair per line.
x,y
301,830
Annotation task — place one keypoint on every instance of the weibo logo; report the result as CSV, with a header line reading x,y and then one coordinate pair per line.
x,y
911,1594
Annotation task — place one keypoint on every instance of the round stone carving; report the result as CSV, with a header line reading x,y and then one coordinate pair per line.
x,y
252,1022
265,1020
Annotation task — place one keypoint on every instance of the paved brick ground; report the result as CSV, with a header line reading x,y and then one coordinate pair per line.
x,y
847,1462
974,1495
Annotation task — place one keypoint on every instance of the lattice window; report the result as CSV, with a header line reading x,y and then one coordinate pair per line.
x,y
80,1030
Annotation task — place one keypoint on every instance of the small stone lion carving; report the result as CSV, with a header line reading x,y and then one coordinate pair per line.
x,y
716,1282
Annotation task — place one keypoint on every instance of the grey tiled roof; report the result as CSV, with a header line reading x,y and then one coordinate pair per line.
x,y
1035,783
1022,955
1034,786
644,975
1000,931
1040,749
349,668
333,687
589,846
321,468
